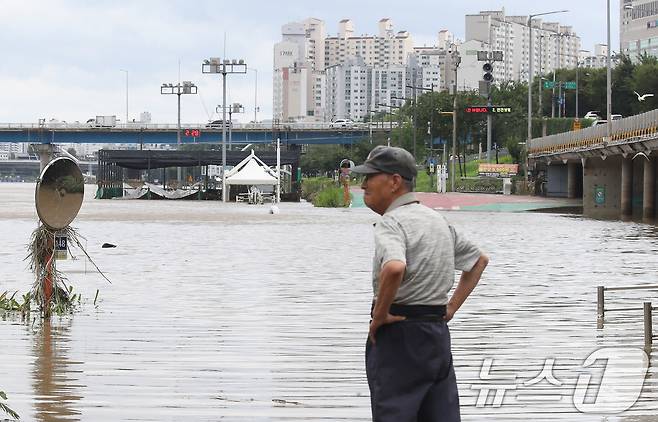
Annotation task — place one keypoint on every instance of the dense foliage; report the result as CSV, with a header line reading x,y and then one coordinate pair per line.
x,y
509,130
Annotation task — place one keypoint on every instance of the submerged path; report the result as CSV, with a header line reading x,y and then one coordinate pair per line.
x,y
482,201
225,312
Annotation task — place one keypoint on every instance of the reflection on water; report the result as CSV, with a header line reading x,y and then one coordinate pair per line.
x,y
229,313
54,376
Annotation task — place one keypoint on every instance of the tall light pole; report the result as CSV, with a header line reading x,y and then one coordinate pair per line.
x,y
530,72
578,63
609,77
456,61
255,94
170,89
123,70
225,67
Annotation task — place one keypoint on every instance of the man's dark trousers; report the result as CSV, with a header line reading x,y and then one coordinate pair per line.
x,y
410,373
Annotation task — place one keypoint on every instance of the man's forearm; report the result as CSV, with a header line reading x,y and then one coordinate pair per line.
x,y
390,279
467,282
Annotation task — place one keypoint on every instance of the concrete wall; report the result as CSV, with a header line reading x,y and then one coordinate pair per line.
x,y
605,174
556,175
638,187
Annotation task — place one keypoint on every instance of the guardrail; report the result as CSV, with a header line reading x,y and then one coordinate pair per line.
x,y
645,124
647,310
202,126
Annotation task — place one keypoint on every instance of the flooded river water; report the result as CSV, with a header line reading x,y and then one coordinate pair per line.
x,y
225,312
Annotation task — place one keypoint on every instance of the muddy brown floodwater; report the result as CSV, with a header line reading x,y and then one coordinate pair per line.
x,y
225,312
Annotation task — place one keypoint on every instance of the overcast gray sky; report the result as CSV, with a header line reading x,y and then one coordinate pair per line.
x,y
62,58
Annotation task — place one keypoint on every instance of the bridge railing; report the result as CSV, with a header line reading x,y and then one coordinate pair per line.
x,y
630,127
201,126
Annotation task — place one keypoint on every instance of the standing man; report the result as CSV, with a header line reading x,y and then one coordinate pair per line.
x,y
408,356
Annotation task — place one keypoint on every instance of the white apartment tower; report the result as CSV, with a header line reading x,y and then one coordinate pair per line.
x,y
554,46
298,62
387,48
638,28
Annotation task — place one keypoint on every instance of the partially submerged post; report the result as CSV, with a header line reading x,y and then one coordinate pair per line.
x,y
648,328
58,198
600,306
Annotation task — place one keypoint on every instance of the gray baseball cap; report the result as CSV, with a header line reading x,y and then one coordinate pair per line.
x,y
391,160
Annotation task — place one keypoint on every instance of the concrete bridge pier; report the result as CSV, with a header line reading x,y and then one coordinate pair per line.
x,y
649,190
626,188
574,179
45,152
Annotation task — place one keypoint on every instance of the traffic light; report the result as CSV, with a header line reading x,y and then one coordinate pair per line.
x,y
487,68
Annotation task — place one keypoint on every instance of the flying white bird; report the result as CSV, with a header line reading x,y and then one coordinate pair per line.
x,y
642,97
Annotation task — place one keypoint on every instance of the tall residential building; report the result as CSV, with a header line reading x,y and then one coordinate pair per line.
x,y
387,48
355,89
431,65
554,46
638,28
297,64
596,60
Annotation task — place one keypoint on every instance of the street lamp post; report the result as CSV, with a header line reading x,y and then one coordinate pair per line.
x,y
233,108
415,104
530,71
170,89
456,61
577,87
123,70
178,89
255,94
609,77
390,120
225,67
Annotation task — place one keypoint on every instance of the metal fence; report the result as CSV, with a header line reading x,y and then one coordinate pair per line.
x,y
645,124
647,310
205,126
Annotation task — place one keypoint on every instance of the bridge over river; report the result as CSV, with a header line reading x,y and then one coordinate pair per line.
x,y
142,133
612,166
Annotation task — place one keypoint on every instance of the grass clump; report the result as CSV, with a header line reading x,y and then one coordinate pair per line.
x,y
312,186
6,408
331,197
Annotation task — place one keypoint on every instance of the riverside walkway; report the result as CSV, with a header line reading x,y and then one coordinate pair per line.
x,y
271,325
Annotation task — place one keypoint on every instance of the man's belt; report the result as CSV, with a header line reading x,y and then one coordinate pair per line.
x,y
417,311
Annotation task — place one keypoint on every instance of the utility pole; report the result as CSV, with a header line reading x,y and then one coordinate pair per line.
x,y
216,65
456,61
170,89
415,103
413,126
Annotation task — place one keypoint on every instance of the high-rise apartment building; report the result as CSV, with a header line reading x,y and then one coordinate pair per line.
x,y
554,46
387,48
298,63
638,28
598,59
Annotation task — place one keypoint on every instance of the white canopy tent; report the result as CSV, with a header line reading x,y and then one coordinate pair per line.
x,y
252,171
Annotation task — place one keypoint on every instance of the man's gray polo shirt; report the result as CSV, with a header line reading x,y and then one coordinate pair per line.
x,y
429,246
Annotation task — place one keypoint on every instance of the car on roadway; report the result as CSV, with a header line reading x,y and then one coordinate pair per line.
x,y
338,123
218,124
593,114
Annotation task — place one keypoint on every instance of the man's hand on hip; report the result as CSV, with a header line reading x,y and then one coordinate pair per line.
x,y
378,322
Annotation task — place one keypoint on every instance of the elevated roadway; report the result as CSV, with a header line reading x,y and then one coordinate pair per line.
x,y
138,133
614,172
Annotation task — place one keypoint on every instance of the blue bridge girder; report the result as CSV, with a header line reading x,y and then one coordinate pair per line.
x,y
154,134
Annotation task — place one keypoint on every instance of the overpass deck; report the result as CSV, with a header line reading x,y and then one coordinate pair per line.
x,y
139,133
628,135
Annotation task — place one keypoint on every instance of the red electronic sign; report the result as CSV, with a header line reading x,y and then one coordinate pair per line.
x,y
192,133
488,109
483,109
